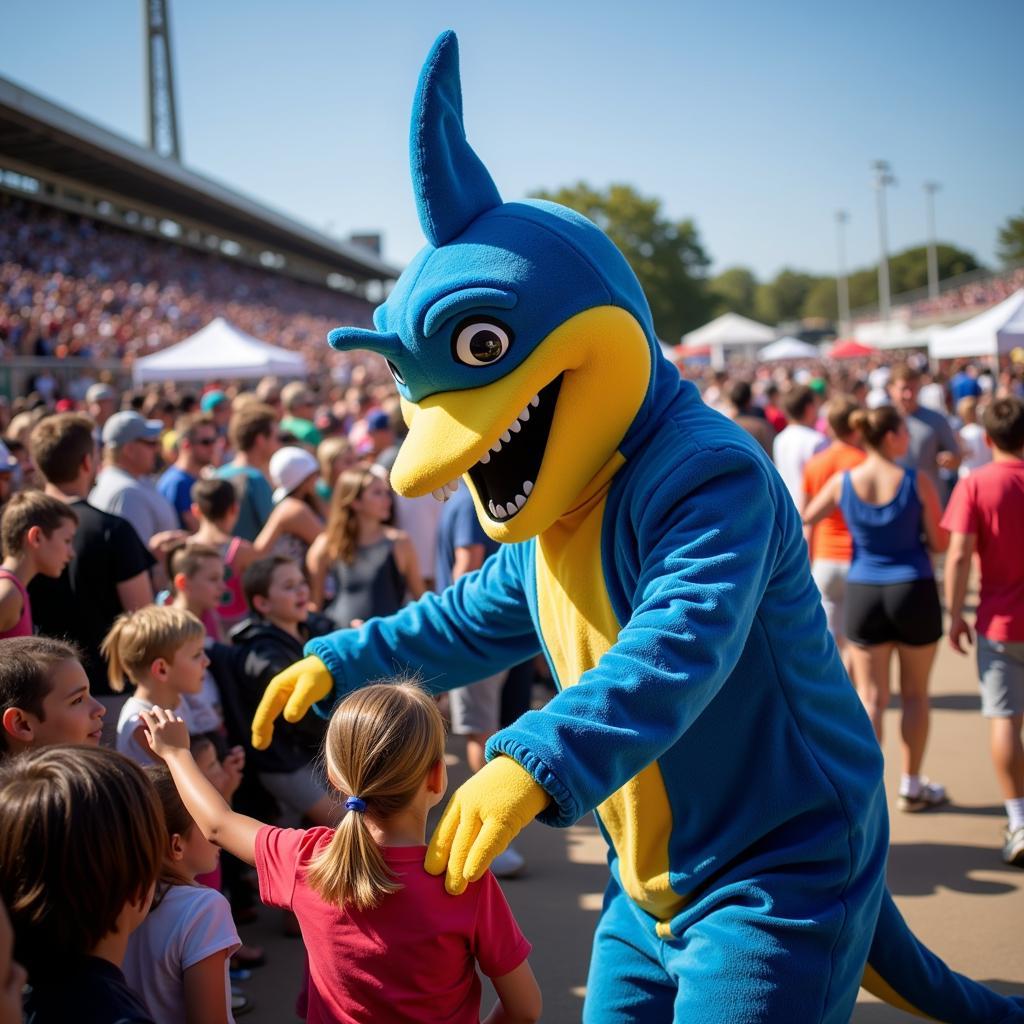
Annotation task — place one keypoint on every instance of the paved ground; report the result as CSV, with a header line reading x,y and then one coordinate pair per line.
x,y
944,871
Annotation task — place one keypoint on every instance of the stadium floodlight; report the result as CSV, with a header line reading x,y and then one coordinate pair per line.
x,y
883,178
842,284
163,117
930,188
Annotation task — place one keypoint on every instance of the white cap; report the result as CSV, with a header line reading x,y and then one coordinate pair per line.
x,y
289,467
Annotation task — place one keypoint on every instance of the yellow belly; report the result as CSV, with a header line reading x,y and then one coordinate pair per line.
x,y
578,627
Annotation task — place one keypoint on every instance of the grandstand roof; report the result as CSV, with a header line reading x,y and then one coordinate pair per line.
x,y
40,134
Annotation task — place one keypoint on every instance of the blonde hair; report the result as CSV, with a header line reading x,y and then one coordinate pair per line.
x,y
138,638
343,521
381,743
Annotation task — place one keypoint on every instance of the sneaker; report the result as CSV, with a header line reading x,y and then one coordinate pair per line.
x,y
508,864
931,794
240,1002
1013,849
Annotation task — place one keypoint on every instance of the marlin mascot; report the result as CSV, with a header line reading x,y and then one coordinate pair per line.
x,y
651,552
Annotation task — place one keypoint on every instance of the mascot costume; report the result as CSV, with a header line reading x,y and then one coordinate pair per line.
x,y
651,552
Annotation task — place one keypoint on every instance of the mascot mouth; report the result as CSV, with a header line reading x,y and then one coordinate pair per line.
x,y
505,477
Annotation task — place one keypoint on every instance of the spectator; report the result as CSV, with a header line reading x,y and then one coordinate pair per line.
x,y
37,531
9,473
295,522
772,413
965,384
799,441
109,573
124,487
335,455
299,409
215,404
44,696
975,452
100,403
740,397
986,516
197,436
252,433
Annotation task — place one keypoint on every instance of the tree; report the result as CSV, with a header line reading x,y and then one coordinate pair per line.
x,y
822,300
667,256
908,270
735,290
783,297
1011,241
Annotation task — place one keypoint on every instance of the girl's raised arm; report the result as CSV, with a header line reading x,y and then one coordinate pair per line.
x,y
236,833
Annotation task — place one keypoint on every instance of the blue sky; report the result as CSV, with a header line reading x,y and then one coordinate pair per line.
x,y
758,120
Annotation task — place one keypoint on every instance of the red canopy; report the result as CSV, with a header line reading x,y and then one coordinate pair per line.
x,y
850,349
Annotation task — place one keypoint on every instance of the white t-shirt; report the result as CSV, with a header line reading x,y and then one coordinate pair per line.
x,y
190,923
975,452
793,447
128,721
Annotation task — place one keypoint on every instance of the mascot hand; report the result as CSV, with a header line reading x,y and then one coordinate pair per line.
x,y
481,819
294,691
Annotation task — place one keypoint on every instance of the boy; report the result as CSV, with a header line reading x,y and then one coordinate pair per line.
x,y
272,639
37,531
986,514
44,696
82,841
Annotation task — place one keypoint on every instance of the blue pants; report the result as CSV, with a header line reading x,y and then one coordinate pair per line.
x,y
761,951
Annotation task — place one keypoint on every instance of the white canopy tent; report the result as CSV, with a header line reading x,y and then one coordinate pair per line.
x,y
219,351
994,332
787,348
730,334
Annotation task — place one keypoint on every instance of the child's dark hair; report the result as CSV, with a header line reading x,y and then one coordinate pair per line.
x,y
25,666
215,497
874,424
1003,421
258,577
177,821
27,509
382,741
81,836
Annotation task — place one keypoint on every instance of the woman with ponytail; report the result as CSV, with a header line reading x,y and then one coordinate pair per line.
x,y
385,940
892,603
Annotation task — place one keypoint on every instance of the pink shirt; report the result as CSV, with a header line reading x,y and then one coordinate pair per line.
x,y
23,627
990,504
412,958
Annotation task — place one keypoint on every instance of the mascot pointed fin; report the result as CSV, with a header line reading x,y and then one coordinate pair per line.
x,y
451,184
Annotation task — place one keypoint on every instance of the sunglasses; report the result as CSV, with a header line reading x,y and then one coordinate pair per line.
x,y
205,441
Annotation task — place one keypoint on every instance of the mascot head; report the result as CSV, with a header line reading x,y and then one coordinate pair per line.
x,y
519,338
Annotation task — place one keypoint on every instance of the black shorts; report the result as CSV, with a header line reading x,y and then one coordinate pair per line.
x,y
902,613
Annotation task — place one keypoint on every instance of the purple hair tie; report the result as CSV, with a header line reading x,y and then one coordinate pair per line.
x,y
354,803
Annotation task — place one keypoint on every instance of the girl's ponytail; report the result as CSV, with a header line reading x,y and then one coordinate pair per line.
x,y
381,743
111,651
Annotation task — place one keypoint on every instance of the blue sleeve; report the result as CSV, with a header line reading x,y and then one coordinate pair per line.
x,y
477,627
707,538
466,528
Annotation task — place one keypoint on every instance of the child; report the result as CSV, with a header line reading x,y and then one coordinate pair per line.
x,y
384,939
177,959
37,532
215,506
44,696
278,594
81,843
161,651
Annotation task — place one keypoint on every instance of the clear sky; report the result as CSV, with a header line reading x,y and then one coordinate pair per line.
x,y
757,119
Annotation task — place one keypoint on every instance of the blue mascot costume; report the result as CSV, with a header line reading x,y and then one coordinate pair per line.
x,y
654,556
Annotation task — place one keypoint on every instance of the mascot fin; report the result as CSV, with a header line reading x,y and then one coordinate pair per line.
x,y
451,184
907,975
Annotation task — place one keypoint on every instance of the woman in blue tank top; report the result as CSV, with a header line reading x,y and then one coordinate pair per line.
x,y
892,604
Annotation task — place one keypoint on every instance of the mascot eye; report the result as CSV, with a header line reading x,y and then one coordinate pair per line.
x,y
480,342
399,379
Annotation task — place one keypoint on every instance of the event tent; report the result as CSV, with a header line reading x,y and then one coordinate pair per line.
x,y
730,334
850,349
994,332
219,351
787,348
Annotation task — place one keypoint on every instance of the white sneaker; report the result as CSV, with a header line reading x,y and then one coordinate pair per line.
x,y
508,864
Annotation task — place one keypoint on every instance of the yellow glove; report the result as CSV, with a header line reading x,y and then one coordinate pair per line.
x,y
295,691
483,816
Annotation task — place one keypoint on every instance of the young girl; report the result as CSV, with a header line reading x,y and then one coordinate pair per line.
x,y
177,959
384,939
160,650
360,567
295,522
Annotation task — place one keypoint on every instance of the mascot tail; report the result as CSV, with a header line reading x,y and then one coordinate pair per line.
x,y
905,974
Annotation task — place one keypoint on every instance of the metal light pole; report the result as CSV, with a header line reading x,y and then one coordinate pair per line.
x,y
930,188
883,177
842,284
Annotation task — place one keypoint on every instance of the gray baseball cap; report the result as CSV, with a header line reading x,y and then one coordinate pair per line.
x,y
100,393
124,427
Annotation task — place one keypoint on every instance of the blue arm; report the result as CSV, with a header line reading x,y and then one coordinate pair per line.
x,y
707,537
477,627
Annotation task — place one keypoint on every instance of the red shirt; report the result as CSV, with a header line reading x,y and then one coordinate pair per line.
x,y
990,504
412,958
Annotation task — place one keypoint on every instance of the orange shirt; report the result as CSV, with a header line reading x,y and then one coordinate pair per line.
x,y
831,538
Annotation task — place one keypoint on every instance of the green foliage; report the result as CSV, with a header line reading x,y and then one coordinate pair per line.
x,y
783,298
734,291
667,256
822,300
1011,241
